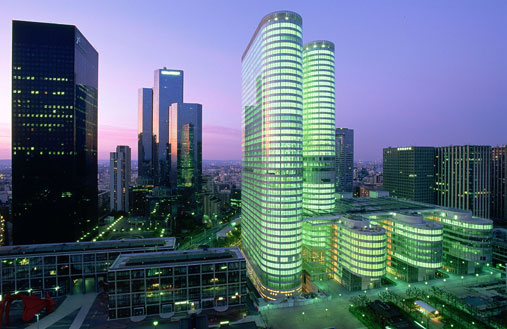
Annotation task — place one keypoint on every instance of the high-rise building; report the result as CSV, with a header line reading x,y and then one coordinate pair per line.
x,y
344,159
146,146
319,153
463,178
272,154
409,173
120,175
186,145
54,132
167,89
499,182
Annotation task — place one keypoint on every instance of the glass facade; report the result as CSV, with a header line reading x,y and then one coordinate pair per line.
x,y
145,141
344,160
499,182
414,246
54,132
167,89
172,282
120,175
70,268
409,173
186,145
463,178
272,154
467,240
318,126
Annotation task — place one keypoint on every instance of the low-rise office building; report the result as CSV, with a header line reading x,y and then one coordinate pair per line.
x,y
172,282
467,240
414,245
66,268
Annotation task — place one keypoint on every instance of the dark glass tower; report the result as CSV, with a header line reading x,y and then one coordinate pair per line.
x,y
54,132
167,89
409,173
146,144
344,160
186,145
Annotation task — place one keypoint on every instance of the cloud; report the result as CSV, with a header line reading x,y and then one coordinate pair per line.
x,y
220,130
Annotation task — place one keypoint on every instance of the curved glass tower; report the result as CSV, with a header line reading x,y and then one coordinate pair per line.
x,y
272,154
319,153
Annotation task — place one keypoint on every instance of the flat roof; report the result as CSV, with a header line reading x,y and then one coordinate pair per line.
x,y
86,246
178,257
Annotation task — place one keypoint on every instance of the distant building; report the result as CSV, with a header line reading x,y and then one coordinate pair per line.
x,y
120,175
499,182
54,132
103,203
409,173
500,248
145,141
167,89
463,178
344,159
185,141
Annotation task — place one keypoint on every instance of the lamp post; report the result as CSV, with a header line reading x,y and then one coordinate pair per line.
x,y
37,315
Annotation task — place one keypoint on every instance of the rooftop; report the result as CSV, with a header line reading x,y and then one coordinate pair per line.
x,y
180,257
81,247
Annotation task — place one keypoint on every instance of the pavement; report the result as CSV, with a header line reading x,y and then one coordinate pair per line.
x,y
69,306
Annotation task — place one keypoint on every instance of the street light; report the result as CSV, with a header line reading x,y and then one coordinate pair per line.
x,y
155,323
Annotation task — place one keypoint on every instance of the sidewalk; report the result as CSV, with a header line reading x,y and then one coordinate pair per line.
x,y
72,303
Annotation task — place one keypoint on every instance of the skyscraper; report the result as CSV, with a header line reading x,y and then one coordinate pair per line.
x,y
272,154
120,175
186,145
463,178
146,145
54,132
409,173
319,153
499,182
344,159
167,89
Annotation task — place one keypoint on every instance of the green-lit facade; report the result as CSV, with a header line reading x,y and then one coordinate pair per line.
x,y
318,126
414,245
272,154
467,240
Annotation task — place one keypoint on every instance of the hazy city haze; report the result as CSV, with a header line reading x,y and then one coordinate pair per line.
x,y
425,73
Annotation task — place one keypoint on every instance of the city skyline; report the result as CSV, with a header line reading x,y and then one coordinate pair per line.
x,y
414,64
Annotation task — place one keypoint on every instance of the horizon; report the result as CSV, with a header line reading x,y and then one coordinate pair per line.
x,y
406,72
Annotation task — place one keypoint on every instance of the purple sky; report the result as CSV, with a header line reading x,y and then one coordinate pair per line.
x,y
407,72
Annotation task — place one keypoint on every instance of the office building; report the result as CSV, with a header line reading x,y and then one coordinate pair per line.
x,y
60,269
409,173
498,182
169,282
120,176
344,160
499,242
272,154
186,145
319,153
146,149
414,245
460,226
463,178
54,132
167,89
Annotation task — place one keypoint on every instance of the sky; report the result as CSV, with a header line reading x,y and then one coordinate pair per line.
x,y
426,73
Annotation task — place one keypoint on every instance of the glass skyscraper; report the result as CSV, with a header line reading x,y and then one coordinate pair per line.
x,y
145,141
344,160
186,145
167,89
318,126
272,154
54,132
